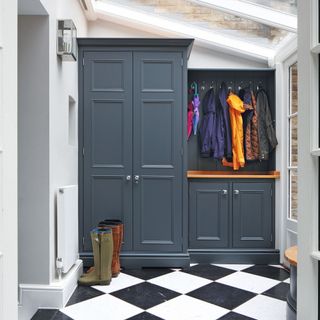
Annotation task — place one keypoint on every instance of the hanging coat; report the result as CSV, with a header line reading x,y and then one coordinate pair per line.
x,y
196,116
266,131
250,125
223,94
212,127
236,108
189,119
207,125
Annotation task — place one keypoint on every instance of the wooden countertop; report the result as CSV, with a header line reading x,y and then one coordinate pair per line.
x,y
291,254
233,174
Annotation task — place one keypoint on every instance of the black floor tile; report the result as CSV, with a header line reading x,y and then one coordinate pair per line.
x,y
222,295
61,316
145,295
50,314
145,316
235,316
279,291
209,271
147,273
83,293
269,272
45,314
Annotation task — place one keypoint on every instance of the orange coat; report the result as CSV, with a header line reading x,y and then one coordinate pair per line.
x,y
235,109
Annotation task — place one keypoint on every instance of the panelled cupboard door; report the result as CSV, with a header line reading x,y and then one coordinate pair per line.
x,y
209,215
157,151
107,131
252,215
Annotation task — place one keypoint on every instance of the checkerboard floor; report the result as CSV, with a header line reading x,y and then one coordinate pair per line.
x,y
203,292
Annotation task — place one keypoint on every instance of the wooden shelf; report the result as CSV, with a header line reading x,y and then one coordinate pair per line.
x,y
233,174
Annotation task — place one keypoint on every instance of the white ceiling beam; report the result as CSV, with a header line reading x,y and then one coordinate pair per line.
x,y
87,7
254,12
163,26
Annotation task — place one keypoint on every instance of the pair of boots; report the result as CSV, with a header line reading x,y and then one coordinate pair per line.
x,y
102,246
117,233
116,227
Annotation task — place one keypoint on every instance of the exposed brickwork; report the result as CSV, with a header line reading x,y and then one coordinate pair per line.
x,y
213,19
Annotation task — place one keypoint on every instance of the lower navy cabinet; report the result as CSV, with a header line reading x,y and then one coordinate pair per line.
x,y
209,215
252,212
232,217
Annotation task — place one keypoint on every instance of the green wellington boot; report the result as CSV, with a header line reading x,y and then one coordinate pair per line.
x,y
100,239
106,254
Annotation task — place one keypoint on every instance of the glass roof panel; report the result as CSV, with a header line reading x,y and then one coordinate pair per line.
x,y
209,19
286,6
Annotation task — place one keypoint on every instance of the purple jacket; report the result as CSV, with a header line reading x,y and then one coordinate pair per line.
x,y
212,127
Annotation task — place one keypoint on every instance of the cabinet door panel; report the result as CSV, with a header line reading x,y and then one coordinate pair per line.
x,y
252,215
107,132
157,158
209,215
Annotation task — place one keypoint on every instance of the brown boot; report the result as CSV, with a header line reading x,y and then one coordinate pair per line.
x,y
117,234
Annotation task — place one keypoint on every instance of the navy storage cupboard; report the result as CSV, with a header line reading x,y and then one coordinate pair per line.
x,y
132,159
232,221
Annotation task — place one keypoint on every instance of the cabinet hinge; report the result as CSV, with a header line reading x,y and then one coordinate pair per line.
x,y
271,192
181,152
83,62
83,242
181,62
271,237
83,151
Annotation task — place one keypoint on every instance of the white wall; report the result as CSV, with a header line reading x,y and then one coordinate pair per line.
x,y
58,165
33,146
8,159
63,82
200,57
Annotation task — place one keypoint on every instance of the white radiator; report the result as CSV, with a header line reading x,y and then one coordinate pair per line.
x,y
67,227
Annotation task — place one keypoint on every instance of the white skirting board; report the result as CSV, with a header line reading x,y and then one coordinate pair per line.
x,y
53,296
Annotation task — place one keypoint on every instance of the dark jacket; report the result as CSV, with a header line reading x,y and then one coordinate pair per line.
x,y
223,105
212,127
267,135
250,125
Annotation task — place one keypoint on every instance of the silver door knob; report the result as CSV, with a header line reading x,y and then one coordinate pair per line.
x,y
136,179
224,192
128,178
236,192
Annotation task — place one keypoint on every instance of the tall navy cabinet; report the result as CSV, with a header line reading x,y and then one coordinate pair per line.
x,y
132,158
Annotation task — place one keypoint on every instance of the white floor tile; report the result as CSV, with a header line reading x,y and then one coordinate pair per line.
x,y
236,267
122,281
101,308
180,282
187,308
249,282
263,308
287,280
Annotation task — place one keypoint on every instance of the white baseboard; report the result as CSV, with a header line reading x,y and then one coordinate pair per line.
x,y
53,296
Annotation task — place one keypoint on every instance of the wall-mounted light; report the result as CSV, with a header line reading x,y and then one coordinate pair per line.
x,y
67,40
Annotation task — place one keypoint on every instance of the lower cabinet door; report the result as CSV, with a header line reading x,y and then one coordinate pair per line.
x,y
252,214
208,215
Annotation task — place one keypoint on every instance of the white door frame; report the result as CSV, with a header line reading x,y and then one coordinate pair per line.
x,y
8,160
308,158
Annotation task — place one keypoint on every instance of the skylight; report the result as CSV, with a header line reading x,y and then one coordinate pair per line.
x,y
287,6
255,30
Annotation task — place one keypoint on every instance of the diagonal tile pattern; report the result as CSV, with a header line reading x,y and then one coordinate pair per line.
x,y
203,292
145,295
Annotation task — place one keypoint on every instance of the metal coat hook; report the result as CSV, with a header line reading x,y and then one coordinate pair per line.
x,y
194,86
